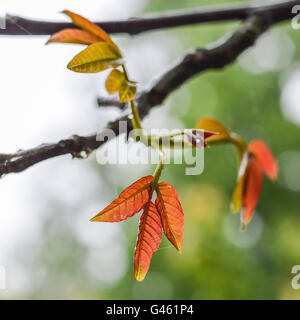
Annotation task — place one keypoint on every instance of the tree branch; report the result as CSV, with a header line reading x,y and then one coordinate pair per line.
x,y
16,25
214,56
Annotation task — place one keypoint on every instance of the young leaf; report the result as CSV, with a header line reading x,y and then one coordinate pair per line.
x,y
129,202
88,26
213,125
224,135
169,208
114,80
265,157
237,197
74,36
92,28
252,189
149,238
95,58
127,91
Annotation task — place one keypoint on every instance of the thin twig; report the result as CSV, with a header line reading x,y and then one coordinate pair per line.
x,y
16,25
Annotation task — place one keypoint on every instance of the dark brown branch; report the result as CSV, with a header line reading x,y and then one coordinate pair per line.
x,y
214,56
16,25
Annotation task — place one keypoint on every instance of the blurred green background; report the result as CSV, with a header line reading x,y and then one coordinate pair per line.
x,y
257,97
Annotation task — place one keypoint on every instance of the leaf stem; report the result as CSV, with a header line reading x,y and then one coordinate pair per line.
x,y
136,120
135,114
240,144
234,139
125,72
158,171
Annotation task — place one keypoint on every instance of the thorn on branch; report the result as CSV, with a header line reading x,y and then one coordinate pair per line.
x,y
109,102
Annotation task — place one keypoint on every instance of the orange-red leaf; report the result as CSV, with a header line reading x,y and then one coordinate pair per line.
x,y
171,213
92,28
149,238
88,25
129,202
252,188
74,36
265,157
